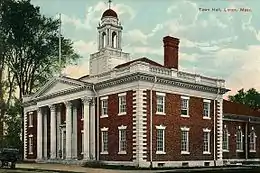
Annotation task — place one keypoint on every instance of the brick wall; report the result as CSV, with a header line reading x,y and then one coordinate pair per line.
x,y
113,121
232,126
173,122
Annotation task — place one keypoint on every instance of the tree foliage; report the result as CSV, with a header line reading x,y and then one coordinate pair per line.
x,y
29,43
250,97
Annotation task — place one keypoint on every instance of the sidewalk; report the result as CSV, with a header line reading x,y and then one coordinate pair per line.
x,y
72,168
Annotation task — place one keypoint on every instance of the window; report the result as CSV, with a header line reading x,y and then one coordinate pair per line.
x,y
104,39
30,142
206,141
185,106
122,139
82,141
160,144
185,140
160,103
114,40
252,141
104,140
239,140
225,144
30,119
104,107
206,109
122,103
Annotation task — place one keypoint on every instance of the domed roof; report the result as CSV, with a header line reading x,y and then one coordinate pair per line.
x,y
109,13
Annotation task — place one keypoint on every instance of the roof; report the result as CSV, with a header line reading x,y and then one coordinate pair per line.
x,y
144,59
109,13
238,109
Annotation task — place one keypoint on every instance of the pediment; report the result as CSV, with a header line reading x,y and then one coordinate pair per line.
x,y
56,85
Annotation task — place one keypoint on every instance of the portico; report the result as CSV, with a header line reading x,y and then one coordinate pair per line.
x,y
65,128
67,120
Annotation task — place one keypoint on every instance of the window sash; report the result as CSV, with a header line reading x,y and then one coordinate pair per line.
x,y
30,117
160,103
122,104
206,109
184,106
184,141
206,142
104,141
160,140
104,107
252,141
225,140
122,140
30,145
239,140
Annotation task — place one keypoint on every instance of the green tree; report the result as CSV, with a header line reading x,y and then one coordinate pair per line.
x,y
29,43
250,97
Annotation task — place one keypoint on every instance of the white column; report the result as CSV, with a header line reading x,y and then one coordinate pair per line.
x,y
93,131
68,129
74,133
45,135
58,131
39,134
53,131
86,152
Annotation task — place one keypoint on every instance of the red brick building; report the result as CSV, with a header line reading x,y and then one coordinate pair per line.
x,y
138,112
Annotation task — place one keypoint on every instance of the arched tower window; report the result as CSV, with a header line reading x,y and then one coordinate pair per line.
x,y
114,40
103,39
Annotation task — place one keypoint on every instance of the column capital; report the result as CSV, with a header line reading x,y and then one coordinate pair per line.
x,y
68,103
38,109
52,107
87,99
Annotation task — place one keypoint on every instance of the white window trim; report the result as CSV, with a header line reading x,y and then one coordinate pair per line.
x,y
186,129
163,95
188,105
102,99
122,127
185,97
30,137
121,95
161,127
207,117
104,129
206,130
30,119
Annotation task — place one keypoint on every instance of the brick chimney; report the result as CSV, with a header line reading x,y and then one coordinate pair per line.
x,y
171,51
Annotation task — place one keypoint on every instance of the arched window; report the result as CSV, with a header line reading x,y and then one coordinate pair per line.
x,y
239,139
225,139
103,39
252,141
114,40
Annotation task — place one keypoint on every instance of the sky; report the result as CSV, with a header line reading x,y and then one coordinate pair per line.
x,y
223,44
